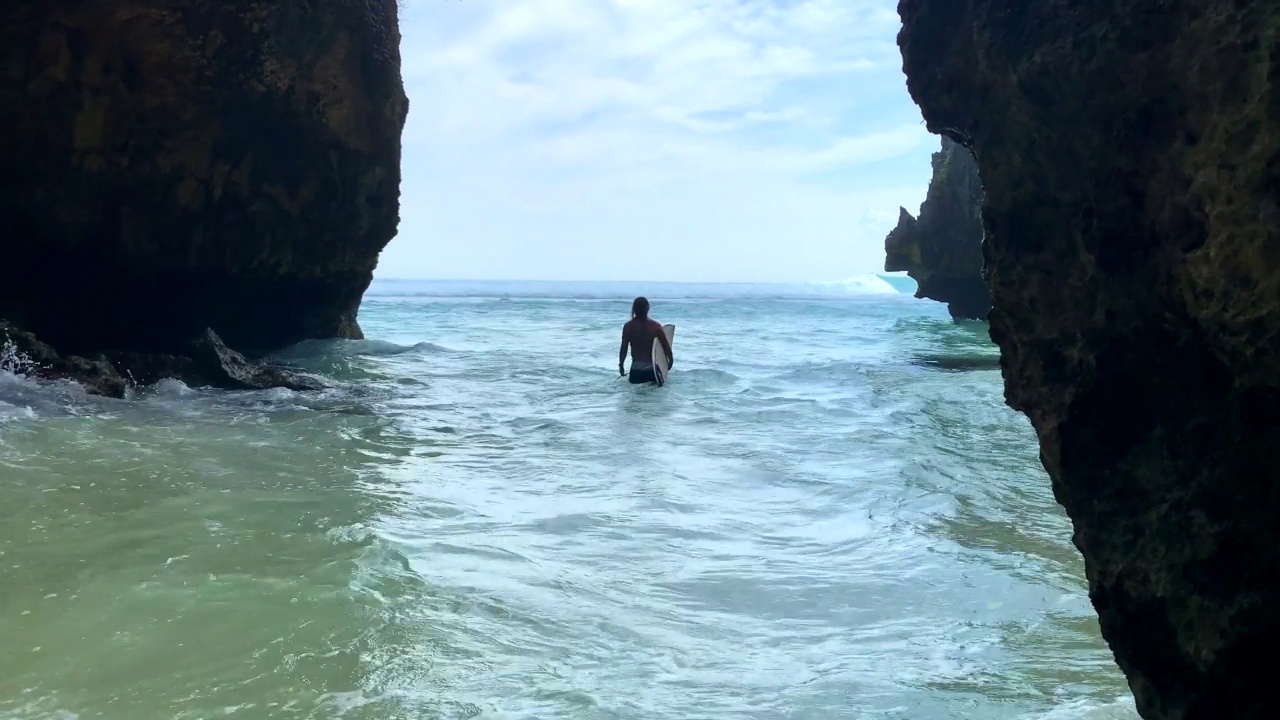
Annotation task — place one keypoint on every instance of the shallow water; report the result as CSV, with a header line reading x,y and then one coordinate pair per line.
x,y
819,517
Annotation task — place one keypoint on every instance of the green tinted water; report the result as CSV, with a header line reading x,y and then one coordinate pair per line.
x,y
813,520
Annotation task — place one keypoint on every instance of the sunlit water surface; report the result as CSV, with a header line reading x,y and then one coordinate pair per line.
x,y
828,513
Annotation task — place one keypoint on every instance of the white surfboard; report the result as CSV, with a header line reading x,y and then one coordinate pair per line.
x,y
661,365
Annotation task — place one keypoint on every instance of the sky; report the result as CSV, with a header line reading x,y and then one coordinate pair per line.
x,y
667,140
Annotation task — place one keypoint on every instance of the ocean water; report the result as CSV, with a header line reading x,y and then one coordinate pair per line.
x,y
828,513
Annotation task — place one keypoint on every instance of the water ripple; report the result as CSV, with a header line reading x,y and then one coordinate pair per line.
x,y
813,520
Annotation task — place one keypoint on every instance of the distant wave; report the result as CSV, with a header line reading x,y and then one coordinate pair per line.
x,y
382,348
353,348
860,285
900,282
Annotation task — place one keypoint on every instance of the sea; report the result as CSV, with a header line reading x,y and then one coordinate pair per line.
x,y
828,512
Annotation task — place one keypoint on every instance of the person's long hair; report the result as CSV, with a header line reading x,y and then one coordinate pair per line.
x,y
640,308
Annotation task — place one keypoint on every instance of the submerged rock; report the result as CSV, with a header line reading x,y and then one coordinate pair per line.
x,y
227,368
23,352
942,249
1130,156
170,166
207,363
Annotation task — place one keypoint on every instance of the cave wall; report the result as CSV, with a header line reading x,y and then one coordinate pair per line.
x,y
1129,154
172,165
942,249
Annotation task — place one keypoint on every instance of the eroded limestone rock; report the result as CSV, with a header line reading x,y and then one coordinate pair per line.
x,y
1130,157
227,368
170,165
205,362
942,249
22,352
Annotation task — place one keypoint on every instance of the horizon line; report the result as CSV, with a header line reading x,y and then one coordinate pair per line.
x,y
668,282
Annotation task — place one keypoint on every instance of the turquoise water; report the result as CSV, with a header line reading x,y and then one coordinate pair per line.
x,y
828,513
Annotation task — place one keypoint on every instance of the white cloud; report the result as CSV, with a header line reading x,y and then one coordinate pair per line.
x,y
545,136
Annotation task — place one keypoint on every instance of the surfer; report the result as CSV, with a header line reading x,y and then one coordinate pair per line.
x,y
639,333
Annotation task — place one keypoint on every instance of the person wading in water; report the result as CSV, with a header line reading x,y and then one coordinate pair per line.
x,y
638,334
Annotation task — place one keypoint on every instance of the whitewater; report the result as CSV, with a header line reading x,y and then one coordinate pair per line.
x,y
829,512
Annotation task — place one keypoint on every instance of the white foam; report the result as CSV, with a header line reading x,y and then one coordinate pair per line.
x,y
861,284
1086,709
11,413
12,361
870,284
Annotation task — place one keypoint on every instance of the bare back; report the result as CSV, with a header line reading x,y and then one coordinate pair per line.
x,y
640,334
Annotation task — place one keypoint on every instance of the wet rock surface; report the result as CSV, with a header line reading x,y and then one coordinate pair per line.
x,y
942,248
1130,157
170,166
22,352
227,368
208,362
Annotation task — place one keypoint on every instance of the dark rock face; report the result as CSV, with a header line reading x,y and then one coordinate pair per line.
x,y
205,362
171,165
1130,154
23,352
227,368
942,249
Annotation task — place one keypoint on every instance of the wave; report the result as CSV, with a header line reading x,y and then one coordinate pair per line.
x,y
10,412
859,285
862,285
355,348
1121,708
957,362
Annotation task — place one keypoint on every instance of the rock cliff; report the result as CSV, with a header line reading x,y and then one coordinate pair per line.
x,y
170,166
942,249
1130,157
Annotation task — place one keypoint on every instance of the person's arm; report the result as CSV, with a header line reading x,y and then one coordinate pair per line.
x,y
622,352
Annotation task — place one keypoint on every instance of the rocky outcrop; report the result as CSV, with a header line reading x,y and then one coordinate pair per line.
x,y
205,361
23,353
1130,156
227,368
942,249
169,166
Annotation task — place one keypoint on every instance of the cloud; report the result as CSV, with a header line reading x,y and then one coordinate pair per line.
x,y
534,124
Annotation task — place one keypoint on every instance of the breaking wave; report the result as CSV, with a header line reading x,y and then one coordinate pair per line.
x,y
857,286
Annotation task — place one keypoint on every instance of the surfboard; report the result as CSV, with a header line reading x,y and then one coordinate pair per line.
x,y
662,366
